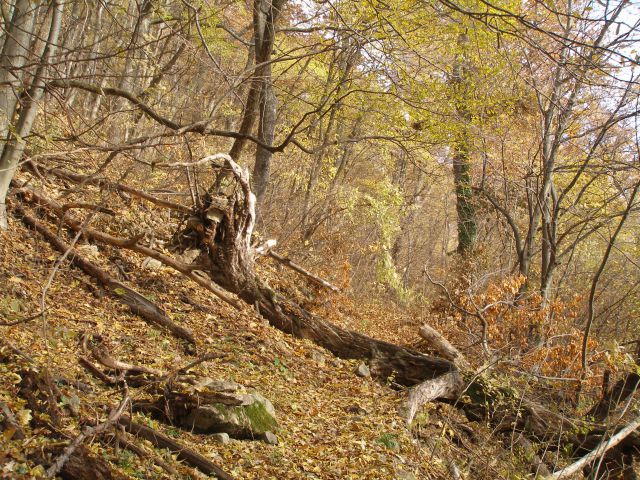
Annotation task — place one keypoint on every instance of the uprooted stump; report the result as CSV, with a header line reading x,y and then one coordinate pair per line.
x,y
221,229
226,222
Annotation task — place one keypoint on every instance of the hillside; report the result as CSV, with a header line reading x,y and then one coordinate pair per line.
x,y
325,239
333,424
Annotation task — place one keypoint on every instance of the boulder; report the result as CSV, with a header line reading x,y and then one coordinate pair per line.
x,y
253,418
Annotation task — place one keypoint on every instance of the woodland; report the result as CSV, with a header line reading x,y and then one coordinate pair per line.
x,y
319,239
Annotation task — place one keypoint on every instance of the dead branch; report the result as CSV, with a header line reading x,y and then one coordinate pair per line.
x,y
122,293
442,346
142,453
600,450
22,320
294,266
115,186
448,386
102,355
88,206
88,431
198,361
183,453
96,372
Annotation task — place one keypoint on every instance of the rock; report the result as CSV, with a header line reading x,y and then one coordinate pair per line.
x,y
318,357
282,347
222,438
226,386
253,418
151,264
363,371
269,438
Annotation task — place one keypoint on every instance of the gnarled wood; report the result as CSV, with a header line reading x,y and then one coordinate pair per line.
x,y
230,264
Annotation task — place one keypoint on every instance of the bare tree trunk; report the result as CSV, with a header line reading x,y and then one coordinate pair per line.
x,y
266,131
15,51
14,148
265,14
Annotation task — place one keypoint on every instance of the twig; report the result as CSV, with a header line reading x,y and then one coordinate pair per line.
x,y
198,361
477,314
302,271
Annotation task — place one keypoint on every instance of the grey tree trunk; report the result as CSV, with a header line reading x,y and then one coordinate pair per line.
x,y
15,51
266,132
14,148
265,15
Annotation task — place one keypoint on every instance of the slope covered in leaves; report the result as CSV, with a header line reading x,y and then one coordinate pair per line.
x,y
333,424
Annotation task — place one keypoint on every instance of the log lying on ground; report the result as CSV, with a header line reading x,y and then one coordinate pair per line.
x,y
185,454
234,272
447,386
122,293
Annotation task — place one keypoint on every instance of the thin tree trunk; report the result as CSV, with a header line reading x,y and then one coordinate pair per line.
x,y
15,147
265,14
596,277
266,132
15,51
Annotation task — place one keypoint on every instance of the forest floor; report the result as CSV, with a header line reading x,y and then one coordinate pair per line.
x,y
333,424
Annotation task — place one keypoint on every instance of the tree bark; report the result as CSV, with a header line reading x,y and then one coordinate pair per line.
x,y
14,148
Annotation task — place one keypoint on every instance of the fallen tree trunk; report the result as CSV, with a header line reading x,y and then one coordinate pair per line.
x,y
230,264
227,258
122,293
183,453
